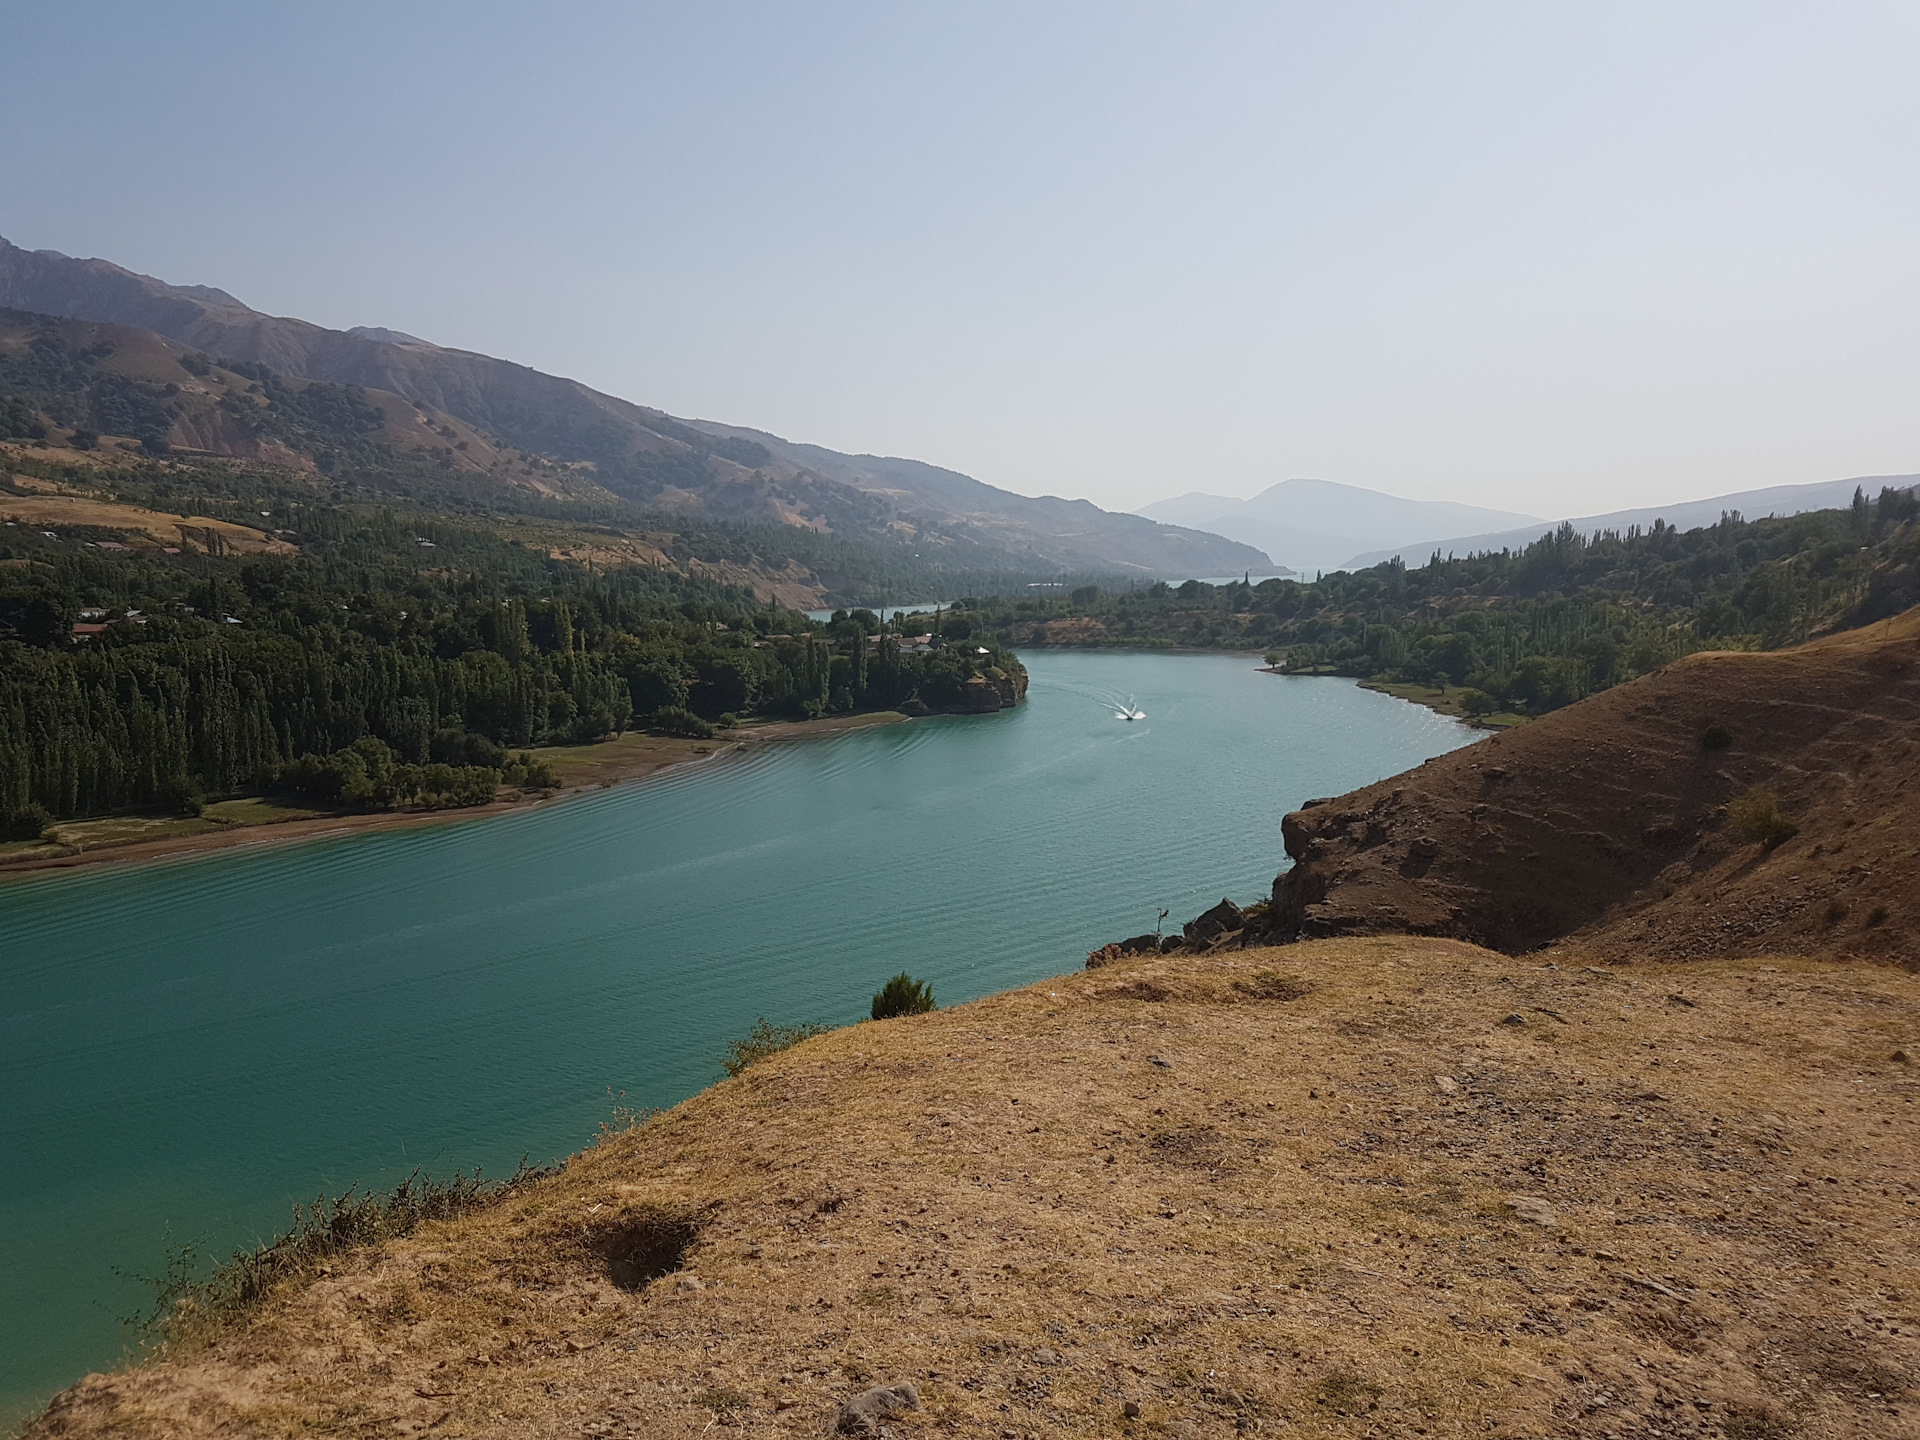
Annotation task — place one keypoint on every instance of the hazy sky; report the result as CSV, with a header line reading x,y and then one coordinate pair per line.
x,y
1554,257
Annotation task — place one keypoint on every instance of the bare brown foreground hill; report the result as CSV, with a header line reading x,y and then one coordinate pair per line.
x,y
1609,819
1229,1191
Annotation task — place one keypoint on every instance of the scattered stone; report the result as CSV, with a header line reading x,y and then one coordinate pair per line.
x,y
1445,1085
1161,1061
1533,1210
689,1284
1214,923
1423,847
1046,1355
1516,1018
1902,1056
862,1414
1131,1409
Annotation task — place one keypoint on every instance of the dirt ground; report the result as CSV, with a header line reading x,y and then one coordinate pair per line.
x,y
60,510
1356,1187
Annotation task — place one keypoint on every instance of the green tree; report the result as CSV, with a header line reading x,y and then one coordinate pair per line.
x,y
902,995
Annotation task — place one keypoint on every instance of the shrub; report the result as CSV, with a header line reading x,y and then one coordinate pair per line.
x,y
902,995
678,720
1755,816
187,1307
1477,702
766,1039
1716,737
179,796
29,822
528,773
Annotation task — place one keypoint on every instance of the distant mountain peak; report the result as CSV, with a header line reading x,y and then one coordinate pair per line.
x,y
1311,524
212,294
386,336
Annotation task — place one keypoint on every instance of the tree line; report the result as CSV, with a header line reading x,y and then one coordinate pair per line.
x,y
349,670
1530,629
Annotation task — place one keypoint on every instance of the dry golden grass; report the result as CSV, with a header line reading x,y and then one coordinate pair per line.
x,y
69,510
1161,1184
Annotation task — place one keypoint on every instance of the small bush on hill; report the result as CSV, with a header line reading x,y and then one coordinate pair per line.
x,y
766,1039
1755,816
1716,737
187,1306
902,995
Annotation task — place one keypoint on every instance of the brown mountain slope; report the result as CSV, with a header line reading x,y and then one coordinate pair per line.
x,y
212,410
643,454
1610,819
1185,1186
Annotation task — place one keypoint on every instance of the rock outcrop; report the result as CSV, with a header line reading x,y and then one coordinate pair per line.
x,y
1628,820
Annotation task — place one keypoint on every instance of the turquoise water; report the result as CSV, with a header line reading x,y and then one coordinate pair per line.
x,y
186,1048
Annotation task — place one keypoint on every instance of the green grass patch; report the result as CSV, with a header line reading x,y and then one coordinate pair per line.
x,y
1451,701
259,810
766,1039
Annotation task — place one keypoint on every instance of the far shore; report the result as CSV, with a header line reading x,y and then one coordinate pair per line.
x,y
582,769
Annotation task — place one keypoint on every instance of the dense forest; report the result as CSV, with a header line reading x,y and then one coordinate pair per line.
x,y
392,657
1527,630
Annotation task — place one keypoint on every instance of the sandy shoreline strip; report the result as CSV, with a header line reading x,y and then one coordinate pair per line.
x,y
583,769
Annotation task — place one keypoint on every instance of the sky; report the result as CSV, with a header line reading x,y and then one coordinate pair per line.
x,y
1556,258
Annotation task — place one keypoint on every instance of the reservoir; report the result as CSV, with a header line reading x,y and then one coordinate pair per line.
x,y
189,1047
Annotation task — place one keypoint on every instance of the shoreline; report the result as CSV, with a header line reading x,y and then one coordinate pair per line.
x,y
586,769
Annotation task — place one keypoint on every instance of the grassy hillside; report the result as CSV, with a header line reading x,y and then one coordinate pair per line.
x,y
1176,1197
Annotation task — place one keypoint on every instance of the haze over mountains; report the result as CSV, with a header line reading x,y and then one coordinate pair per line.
x,y
1682,515
639,454
1321,525
1312,525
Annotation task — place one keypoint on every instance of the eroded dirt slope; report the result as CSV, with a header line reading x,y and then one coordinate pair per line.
x,y
1427,1190
1609,819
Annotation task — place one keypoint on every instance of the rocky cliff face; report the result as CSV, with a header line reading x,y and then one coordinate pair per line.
x,y
1640,819
995,689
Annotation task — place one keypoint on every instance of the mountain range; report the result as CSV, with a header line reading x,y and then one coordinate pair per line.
x,y
1682,515
509,426
1314,525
